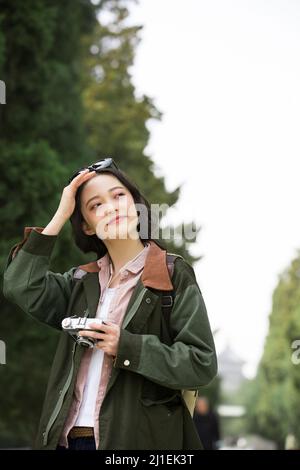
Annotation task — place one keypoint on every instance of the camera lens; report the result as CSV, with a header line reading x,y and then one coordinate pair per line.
x,y
85,342
66,322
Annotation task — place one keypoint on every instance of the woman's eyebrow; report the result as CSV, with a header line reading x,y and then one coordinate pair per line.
x,y
109,191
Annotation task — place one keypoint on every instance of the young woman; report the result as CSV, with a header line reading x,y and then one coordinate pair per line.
x,y
125,392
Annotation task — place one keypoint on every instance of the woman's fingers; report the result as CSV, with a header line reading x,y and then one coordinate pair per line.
x,y
83,176
92,334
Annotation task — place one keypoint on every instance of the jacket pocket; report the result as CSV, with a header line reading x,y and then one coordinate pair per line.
x,y
171,399
161,423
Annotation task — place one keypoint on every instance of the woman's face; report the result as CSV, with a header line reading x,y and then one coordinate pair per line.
x,y
103,198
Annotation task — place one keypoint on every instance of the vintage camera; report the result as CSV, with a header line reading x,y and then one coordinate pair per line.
x,y
73,325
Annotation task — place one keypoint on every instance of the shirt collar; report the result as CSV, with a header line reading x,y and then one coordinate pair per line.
x,y
134,265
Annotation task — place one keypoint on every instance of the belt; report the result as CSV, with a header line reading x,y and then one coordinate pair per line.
x,y
81,431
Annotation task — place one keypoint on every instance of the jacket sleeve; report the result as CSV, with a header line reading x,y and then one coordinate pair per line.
x,y
191,361
28,282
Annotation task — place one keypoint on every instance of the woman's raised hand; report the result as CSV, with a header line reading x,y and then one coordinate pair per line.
x,y
67,203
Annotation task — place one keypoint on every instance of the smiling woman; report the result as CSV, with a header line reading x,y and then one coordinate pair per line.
x,y
116,204
99,201
135,369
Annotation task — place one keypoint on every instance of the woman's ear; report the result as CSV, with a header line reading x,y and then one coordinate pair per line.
x,y
87,229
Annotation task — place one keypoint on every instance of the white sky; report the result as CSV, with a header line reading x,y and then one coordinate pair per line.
x,y
226,75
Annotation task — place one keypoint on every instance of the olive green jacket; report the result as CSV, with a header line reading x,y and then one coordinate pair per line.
x,y
142,407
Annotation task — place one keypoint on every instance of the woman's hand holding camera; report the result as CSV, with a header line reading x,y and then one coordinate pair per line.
x,y
108,341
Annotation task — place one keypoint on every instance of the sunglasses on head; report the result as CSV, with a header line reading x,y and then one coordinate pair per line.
x,y
100,165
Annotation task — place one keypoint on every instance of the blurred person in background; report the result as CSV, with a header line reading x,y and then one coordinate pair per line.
x,y
207,424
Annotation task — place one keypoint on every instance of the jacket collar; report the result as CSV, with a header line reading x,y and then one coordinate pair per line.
x,y
155,274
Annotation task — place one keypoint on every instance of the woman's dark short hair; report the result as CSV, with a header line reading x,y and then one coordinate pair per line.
x,y
87,243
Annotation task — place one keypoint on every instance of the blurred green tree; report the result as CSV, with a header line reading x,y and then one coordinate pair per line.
x,y
274,395
42,134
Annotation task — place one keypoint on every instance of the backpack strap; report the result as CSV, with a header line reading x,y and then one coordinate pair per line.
x,y
167,301
189,397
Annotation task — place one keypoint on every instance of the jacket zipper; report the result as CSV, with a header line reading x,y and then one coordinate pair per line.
x,y
59,401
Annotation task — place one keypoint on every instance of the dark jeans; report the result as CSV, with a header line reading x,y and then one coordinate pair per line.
x,y
79,443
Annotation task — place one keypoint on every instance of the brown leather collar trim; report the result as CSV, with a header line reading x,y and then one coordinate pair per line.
x,y
155,273
91,267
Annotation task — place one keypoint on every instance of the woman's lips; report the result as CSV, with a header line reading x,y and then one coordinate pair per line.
x,y
116,219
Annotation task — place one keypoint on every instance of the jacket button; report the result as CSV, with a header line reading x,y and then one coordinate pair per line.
x,y
126,362
148,300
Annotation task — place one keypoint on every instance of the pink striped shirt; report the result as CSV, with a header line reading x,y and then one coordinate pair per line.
x,y
130,274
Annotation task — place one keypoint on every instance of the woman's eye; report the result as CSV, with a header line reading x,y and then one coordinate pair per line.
x,y
97,203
